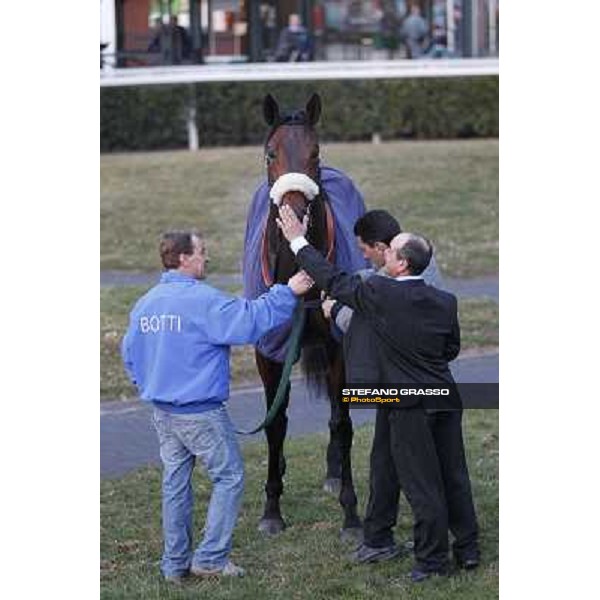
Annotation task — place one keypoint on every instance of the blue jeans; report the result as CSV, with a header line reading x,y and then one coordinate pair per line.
x,y
211,437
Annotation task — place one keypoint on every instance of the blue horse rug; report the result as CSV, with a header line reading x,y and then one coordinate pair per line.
x,y
347,205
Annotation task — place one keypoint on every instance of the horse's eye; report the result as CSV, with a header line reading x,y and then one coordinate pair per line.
x,y
315,152
270,156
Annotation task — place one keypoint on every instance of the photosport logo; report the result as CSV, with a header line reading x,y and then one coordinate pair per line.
x,y
435,396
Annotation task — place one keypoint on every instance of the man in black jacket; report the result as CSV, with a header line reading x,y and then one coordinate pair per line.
x,y
374,231
411,331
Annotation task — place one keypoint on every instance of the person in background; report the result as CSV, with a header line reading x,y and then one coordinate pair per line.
x,y
181,45
294,43
157,32
176,351
414,32
389,25
268,29
439,38
171,41
439,44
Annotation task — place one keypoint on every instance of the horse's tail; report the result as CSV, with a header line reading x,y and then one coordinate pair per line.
x,y
315,363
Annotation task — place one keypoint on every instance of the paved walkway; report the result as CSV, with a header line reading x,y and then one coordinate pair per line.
x,y
486,287
128,440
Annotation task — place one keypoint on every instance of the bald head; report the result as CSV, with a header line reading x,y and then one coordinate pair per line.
x,y
414,249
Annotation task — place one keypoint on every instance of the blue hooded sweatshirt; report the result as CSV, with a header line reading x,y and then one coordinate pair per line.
x,y
176,348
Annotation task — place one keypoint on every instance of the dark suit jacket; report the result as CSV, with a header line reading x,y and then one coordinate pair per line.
x,y
401,332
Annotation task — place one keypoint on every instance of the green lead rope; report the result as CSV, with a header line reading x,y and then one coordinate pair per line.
x,y
292,355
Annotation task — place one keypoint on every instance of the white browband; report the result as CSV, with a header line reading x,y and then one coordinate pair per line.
x,y
293,182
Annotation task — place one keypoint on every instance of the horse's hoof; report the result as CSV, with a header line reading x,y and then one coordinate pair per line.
x,y
332,485
353,535
271,526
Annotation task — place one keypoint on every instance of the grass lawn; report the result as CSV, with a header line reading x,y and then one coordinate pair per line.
x,y
447,190
306,561
479,322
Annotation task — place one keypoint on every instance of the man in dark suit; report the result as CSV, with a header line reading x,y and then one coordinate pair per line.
x,y
374,232
411,331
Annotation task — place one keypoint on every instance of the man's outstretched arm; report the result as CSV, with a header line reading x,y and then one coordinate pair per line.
x,y
348,289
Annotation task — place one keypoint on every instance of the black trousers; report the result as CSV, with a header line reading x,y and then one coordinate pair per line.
x,y
404,456
423,455
446,428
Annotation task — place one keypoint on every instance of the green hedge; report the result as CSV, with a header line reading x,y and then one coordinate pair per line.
x,y
153,117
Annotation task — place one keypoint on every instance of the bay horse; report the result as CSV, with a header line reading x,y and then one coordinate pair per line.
x,y
296,178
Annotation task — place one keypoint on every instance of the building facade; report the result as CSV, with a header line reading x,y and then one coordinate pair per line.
x,y
165,32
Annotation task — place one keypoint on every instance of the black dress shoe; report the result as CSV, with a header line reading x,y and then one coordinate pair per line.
x,y
367,554
417,575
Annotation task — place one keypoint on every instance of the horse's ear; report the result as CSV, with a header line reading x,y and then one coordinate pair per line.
x,y
313,109
270,110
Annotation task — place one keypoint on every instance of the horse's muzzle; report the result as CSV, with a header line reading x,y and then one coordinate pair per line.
x,y
293,182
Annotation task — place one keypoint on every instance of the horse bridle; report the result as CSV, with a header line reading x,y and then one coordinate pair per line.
x,y
299,182
330,231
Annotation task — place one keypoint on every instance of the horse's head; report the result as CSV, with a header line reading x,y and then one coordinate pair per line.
x,y
292,154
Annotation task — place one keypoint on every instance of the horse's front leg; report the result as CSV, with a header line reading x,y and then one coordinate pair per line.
x,y
341,432
352,526
272,522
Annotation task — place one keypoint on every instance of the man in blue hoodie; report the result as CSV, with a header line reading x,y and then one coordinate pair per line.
x,y
176,351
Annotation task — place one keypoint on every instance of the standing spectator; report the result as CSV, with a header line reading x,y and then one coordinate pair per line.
x,y
414,32
176,351
181,45
171,41
439,38
318,23
458,28
389,29
294,43
268,29
157,33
